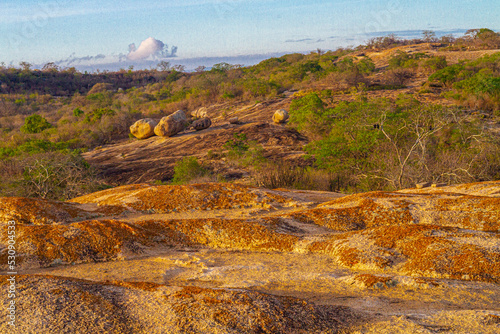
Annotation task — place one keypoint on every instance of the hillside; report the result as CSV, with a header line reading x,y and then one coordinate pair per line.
x,y
154,158
223,258
438,105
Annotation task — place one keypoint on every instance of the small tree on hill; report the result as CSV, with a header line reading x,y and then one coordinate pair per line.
x,y
429,36
35,124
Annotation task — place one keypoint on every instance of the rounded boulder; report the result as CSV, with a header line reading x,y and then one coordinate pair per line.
x,y
202,124
280,116
143,128
200,113
172,124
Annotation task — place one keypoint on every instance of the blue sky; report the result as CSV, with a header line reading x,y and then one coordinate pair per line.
x,y
53,30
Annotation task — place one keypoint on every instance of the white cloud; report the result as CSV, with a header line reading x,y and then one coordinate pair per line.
x,y
149,52
149,48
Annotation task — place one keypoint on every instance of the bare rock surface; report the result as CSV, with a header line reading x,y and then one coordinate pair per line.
x,y
154,158
227,258
79,306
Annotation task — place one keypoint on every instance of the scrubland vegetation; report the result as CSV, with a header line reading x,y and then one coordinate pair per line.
x,y
49,117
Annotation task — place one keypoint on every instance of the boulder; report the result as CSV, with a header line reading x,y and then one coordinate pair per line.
x,y
200,113
423,185
234,120
280,116
172,124
143,128
202,124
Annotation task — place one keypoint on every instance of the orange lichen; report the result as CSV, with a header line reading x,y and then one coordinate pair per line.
x,y
85,241
229,233
41,211
162,199
369,280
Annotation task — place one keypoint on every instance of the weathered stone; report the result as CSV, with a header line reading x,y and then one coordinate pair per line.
x,y
280,116
143,128
200,113
202,124
172,124
234,120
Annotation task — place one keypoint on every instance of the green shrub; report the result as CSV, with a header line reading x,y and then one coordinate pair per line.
x,y
475,83
35,124
78,112
243,151
384,144
450,74
96,114
436,63
366,65
34,146
188,169
404,60
20,101
238,145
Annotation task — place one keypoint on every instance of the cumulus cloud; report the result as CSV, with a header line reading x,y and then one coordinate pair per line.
x,y
150,48
150,51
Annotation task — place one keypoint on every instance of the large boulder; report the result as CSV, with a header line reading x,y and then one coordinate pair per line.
x,y
172,124
200,113
202,124
280,116
143,128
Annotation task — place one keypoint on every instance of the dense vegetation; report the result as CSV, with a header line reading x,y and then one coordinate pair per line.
x,y
384,144
49,116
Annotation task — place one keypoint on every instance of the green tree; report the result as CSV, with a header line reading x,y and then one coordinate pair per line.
x,y
306,113
35,124
429,36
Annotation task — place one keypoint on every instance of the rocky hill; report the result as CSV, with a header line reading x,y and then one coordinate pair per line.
x,y
153,159
228,258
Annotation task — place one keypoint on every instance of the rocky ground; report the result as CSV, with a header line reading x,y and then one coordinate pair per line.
x,y
228,258
153,159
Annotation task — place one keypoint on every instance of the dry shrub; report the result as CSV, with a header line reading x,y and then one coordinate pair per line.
x,y
398,76
285,175
51,175
345,80
100,88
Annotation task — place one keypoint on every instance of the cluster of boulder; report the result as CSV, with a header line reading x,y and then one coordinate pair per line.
x,y
169,125
172,124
